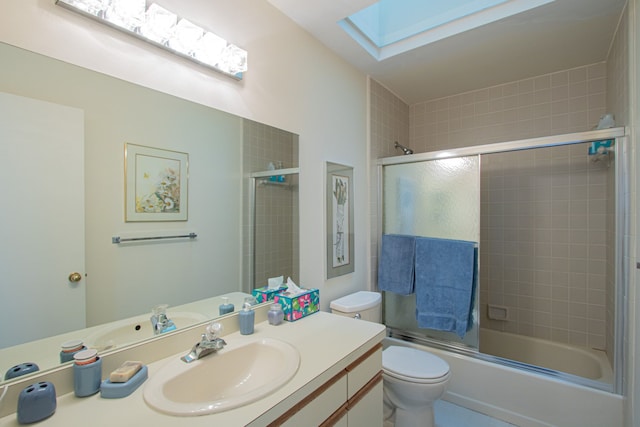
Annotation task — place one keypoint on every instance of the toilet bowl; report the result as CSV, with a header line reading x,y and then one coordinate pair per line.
x,y
412,379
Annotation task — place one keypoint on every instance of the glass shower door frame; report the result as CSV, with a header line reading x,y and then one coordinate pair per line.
x,y
622,156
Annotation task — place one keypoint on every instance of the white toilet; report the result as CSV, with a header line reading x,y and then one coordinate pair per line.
x,y
413,379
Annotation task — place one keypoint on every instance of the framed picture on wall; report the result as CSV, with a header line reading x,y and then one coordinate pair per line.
x,y
339,219
156,183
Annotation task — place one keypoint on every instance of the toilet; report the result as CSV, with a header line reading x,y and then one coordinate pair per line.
x,y
412,379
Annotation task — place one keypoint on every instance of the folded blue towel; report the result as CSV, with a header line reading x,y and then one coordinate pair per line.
x,y
396,264
445,277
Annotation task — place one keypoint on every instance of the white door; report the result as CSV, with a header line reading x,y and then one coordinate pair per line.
x,y
42,221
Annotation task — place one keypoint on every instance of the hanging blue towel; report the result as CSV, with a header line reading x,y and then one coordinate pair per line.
x,y
445,284
396,264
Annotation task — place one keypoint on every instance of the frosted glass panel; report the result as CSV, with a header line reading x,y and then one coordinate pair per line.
x,y
436,198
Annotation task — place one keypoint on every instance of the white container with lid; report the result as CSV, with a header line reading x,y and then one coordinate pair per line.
x,y
87,373
69,348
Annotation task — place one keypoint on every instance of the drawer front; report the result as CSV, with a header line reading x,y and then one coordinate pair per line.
x,y
363,369
367,410
321,407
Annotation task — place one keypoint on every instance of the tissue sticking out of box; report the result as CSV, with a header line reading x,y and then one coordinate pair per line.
x,y
292,288
275,282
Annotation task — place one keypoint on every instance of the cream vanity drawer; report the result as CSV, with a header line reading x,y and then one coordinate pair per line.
x,y
363,370
352,398
318,406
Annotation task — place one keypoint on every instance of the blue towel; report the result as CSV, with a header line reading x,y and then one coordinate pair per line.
x,y
396,264
445,284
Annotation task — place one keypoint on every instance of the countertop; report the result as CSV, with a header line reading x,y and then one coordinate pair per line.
x,y
327,343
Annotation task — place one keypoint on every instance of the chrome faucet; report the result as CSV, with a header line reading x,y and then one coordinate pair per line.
x,y
209,343
159,320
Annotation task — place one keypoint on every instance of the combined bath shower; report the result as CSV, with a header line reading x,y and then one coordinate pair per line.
x,y
405,150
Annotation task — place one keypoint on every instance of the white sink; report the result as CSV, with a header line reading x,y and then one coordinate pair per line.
x,y
127,331
234,376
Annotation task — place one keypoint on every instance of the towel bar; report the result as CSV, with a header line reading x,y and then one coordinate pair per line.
x,y
118,239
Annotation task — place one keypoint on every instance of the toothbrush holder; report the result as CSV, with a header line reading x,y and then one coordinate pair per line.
x,y
36,402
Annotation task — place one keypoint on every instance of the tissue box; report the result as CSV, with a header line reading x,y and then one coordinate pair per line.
x,y
264,294
300,305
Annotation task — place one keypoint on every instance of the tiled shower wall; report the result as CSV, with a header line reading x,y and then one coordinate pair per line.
x,y
563,102
544,243
276,206
389,122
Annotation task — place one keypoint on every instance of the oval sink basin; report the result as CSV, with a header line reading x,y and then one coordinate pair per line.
x,y
232,377
137,328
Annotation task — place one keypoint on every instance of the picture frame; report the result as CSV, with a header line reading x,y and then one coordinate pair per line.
x,y
339,220
156,184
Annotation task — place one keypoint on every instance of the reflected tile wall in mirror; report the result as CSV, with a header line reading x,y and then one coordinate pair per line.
x,y
276,207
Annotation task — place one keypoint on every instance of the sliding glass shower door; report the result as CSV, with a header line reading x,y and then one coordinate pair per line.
x,y
550,216
436,198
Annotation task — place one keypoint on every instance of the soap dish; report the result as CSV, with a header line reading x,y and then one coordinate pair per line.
x,y
109,390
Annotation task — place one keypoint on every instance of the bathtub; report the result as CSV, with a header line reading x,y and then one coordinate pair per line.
x,y
521,397
580,361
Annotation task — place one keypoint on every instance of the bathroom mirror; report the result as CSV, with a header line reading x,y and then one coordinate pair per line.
x,y
126,280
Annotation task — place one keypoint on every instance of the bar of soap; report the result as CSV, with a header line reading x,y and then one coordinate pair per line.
x,y
125,372
109,390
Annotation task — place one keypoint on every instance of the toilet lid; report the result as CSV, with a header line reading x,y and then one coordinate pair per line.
x,y
413,363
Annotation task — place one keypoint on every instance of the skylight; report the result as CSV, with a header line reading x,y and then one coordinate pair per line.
x,y
391,27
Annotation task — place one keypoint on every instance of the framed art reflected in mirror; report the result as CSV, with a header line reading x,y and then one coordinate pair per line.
x,y
156,184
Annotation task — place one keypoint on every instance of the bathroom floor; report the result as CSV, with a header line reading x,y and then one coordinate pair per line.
x,y
450,415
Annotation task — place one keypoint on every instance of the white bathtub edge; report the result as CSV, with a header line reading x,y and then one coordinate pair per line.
x,y
523,398
493,411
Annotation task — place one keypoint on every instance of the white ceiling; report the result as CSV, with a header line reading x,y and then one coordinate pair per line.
x,y
557,36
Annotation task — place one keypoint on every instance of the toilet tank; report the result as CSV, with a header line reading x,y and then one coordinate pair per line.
x,y
363,305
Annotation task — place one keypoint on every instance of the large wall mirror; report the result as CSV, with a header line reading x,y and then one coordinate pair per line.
x,y
55,103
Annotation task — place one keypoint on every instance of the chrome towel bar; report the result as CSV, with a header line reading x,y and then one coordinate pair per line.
x,y
118,239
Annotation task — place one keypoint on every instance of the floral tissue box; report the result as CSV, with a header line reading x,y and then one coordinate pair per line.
x,y
264,294
300,305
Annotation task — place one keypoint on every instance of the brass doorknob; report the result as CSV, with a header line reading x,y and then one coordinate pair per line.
x,y
75,277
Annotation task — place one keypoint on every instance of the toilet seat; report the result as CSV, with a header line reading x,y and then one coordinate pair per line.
x,y
412,365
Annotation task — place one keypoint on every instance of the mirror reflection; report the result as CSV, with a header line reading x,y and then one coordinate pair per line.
x,y
120,281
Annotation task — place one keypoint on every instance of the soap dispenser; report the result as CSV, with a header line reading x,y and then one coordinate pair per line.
x,y
280,178
226,307
272,167
246,318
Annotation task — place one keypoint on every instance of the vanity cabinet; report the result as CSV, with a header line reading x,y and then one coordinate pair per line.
x,y
340,387
352,397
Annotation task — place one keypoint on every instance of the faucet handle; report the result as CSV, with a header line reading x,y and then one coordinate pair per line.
x,y
213,331
159,309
